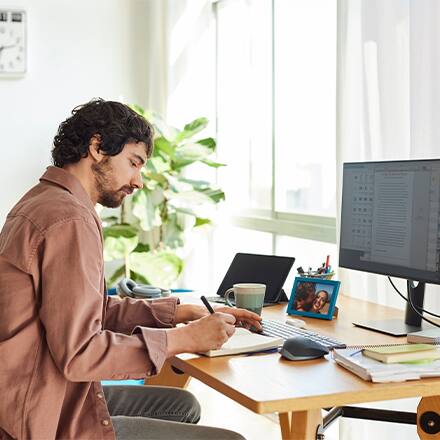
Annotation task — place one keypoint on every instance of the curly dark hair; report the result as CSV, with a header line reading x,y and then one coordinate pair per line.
x,y
114,123
305,292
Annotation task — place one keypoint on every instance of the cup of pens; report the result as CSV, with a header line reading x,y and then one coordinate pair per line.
x,y
324,272
320,275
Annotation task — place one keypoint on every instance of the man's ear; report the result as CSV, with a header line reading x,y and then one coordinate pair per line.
x,y
94,148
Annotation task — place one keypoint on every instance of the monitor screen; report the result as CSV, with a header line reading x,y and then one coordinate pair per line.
x,y
390,221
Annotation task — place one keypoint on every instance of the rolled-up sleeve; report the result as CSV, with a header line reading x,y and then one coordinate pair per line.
x,y
72,310
123,315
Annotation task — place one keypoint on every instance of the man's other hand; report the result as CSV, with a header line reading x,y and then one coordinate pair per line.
x,y
244,318
191,312
204,334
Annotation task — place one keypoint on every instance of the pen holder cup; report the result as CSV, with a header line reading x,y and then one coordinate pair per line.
x,y
322,276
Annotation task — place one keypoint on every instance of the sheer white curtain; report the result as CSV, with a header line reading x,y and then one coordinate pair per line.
x,y
388,108
181,87
181,59
157,55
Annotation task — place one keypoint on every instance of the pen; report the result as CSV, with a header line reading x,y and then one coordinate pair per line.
x,y
355,352
207,305
327,261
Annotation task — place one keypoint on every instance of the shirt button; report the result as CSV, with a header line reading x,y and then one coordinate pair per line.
x,y
105,422
99,395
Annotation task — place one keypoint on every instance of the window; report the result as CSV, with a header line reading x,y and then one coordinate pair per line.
x,y
244,101
276,115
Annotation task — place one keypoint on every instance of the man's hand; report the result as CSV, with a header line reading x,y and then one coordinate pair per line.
x,y
207,333
243,317
191,312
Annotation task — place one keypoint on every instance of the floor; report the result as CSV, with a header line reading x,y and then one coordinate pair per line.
x,y
222,412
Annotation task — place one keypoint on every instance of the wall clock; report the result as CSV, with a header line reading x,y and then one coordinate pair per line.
x,y
12,42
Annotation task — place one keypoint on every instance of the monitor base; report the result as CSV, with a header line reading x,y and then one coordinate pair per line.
x,y
392,327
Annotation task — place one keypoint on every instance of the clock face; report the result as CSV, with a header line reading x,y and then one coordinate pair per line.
x,y
12,42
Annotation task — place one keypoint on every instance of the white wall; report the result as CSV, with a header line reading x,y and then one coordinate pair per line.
x,y
77,50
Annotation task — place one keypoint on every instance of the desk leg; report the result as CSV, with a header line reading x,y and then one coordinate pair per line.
x,y
300,425
169,378
428,418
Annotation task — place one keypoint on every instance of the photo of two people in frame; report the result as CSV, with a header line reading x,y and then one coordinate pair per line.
x,y
313,297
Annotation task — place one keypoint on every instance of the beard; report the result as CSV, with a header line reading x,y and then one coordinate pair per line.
x,y
107,196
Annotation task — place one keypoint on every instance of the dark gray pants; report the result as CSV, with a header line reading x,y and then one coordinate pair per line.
x,y
153,413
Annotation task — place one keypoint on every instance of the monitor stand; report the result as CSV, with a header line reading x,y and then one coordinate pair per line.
x,y
398,327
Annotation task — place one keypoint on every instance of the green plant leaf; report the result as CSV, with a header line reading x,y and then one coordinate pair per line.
x,y
160,126
196,184
142,247
192,151
120,230
210,163
158,165
164,130
151,179
116,276
146,211
138,278
109,221
186,211
191,129
164,145
173,233
187,199
138,109
117,248
215,194
179,164
202,221
208,142
159,268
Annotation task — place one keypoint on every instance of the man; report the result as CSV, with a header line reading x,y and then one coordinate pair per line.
x,y
59,332
305,295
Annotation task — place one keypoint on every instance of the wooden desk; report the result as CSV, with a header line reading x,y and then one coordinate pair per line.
x,y
265,383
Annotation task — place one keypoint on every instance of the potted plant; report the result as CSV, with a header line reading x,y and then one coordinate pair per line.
x,y
148,235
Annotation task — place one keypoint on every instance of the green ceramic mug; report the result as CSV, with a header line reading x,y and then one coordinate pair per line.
x,y
248,296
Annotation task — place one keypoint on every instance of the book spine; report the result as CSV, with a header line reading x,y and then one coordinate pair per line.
x,y
362,347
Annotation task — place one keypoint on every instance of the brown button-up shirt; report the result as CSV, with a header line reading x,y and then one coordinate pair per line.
x,y
59,333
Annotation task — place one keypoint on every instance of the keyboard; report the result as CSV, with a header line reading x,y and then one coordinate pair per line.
x,y
280,329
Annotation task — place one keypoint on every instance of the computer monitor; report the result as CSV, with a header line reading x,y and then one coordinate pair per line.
x,y
390,225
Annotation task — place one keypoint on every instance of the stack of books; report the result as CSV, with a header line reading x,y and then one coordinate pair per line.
x,y
430,336
393,363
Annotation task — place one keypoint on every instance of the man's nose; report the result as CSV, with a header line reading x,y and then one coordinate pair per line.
x,y
138,182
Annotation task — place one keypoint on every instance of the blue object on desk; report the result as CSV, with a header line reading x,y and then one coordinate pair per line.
x,y
122,382
112,291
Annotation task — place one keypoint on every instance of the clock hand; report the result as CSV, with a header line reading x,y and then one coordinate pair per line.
x,y
7,47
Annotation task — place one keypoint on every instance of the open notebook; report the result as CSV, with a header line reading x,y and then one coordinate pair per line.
x,y
244,341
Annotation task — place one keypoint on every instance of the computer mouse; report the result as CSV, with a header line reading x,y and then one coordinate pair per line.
x,y
300,348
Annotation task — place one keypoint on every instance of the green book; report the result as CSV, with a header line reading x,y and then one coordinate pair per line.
x,y
402,353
